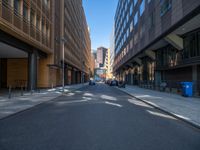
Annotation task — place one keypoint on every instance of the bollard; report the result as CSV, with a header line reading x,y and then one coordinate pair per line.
x,y
22,92
9,92
52,86
31,90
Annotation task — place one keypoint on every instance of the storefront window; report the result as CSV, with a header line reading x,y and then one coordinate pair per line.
x,y
198,49
191,45
186,47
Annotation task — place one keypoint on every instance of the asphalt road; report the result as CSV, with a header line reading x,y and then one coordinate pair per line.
x,y
96,118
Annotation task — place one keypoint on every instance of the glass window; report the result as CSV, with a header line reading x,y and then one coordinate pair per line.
x,y
17,6
131,10
125,6
191,45
43,25
25,12
127,32
136,18
142,30
131,26
135,2
46,3
47,31
142,7
32,17
131,43
151,20
198,52
165,5
38,23
6,2
135,38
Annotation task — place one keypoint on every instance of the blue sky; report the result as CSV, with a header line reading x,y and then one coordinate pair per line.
x,y
100,18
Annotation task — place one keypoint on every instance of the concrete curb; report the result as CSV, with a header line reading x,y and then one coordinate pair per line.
x,y
37,105
195,125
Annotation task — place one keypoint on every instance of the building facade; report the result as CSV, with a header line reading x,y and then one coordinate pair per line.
x,y
112,51
30,45
158,42
73,35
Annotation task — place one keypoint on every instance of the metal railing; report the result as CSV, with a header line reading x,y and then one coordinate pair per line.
x,y
12,16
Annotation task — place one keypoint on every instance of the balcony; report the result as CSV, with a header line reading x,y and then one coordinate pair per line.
x,y
7,12
12,17
44,38
26,26
17,21
38,35
39,3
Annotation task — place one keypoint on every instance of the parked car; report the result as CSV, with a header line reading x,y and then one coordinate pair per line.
x,y
113,83
92,82
122,84
108,81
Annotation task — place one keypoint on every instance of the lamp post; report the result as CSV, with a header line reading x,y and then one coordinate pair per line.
x,y
83,73
63,40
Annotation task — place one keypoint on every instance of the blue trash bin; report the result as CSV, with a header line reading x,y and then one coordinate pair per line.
x,y
187,89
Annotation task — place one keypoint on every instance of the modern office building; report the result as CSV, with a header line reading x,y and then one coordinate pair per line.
x,y
72,32
31,45
112,51
158,41
101,55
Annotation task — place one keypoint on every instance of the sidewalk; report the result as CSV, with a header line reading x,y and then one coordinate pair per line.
x,y
20,103
187,109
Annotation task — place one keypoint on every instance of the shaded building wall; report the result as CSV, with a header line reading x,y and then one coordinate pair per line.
x,y
180,74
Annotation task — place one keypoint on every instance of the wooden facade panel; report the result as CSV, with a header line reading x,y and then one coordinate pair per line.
x,y
17,72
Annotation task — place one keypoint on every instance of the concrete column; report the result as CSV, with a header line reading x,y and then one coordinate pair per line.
x,y
157,77
132,74
66,76
194,79
72,75
32,70
0,74
145,71
76,75
79,77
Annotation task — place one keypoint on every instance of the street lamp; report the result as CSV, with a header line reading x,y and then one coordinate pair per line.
x,y
63,41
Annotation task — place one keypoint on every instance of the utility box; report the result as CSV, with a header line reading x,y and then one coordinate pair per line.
x,y
187,89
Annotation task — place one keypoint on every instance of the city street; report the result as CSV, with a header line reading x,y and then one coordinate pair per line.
x,y
96,118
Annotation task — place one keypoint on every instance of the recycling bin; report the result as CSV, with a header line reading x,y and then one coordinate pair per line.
x,y
187,89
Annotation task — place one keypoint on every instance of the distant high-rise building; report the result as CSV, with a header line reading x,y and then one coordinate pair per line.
x,y
101,54
108,65
94,53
